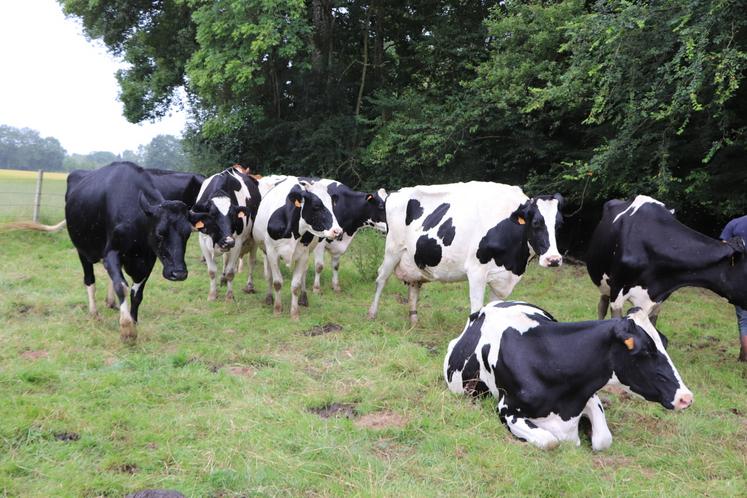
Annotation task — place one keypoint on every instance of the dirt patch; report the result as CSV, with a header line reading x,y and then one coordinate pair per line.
x,y
242,371
323,329
381,420
126,468
22,308
155,493
66,436
34,355
601,461
388,449
336,410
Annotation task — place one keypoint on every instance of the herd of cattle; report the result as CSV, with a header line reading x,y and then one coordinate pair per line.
x,y
544,374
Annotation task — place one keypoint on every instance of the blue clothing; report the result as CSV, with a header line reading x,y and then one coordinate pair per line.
x,y
735,228
742,321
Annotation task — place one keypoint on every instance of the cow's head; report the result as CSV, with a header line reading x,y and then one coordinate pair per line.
x,y
641,363
222,219
541,219
354,209
170,224
315,205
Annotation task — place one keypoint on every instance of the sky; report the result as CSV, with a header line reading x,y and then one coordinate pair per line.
x,y
58,83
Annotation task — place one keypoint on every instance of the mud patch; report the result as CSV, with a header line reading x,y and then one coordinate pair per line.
x,y
241,371
156,493
66,436
336,410
126,468
611,462
323,329
34,355
381,420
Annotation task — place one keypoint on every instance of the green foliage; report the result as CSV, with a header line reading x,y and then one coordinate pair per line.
x,y
165,152
24,148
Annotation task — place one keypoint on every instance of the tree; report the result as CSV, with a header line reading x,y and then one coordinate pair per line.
x,y
165,152
24,148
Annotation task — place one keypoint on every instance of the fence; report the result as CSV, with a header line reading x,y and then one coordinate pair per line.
x,y
32,195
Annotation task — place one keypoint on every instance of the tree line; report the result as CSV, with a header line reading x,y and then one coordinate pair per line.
x,y
595,99
26,149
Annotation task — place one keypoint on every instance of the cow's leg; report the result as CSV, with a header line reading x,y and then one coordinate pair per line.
x,y
654,313
391,260
136,296
298,282
139,270
413,302
208,251
273,262
113,265
268,276
528,431
111,299
318,266
477,281
616,305
336,272
230,262
249,289
601,437
602,306
89,280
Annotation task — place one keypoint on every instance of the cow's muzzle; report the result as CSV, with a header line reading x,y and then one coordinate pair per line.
x,y
551,261
683,400
226,244
175,275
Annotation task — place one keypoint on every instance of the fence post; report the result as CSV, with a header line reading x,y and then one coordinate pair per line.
x,y
37,196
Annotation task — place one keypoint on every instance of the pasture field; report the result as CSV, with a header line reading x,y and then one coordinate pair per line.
x,y
17,195
223,399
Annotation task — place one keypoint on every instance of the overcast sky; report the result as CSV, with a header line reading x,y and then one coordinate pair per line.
x,y
63,86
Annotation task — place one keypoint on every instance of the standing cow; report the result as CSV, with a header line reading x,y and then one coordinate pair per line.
x,y
639,252
292,217
117,215
545,374
353,210
480,231
232,198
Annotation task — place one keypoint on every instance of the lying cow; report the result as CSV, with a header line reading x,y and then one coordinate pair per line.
x,y
292,217
232,200
639,252
480,231
545,374
353,210
117,215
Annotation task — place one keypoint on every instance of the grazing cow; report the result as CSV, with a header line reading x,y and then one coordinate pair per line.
x,y
639,252
545,374
232,199
480,231
117,215
353,210
292,217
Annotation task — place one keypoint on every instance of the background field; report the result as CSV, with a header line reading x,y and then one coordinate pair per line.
x,y
17,190
221,399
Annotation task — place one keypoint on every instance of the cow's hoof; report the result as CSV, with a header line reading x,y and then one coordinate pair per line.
x,y
127,332
316,290
111,304
269,300
229,297
277,311
295,317
303,299
212,296
337,289
249,289
371,315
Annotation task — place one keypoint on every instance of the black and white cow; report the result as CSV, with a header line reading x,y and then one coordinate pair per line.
x,y
293,215
483,232
232,199
545,374
353,210
117,215
640,253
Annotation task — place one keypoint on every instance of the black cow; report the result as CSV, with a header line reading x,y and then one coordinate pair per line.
x,y
545,374
639,252
177,185
116,214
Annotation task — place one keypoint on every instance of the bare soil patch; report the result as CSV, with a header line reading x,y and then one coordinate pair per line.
x,y
323,329
66,436
242,371
337,410
34,355
381,420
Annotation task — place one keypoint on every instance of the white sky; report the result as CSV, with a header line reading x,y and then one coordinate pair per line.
x,y
56,82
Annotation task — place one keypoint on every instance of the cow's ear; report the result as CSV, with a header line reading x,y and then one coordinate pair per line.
x,y
200,208
305,184
521,215
197,220
736,244
626,332
561,201
370,198
148,208
382,193
295,197
242,212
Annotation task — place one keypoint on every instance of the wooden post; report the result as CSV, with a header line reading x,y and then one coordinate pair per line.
x,y
37,197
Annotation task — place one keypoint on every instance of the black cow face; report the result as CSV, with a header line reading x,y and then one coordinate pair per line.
x,y
222,219
646,368
170,227
542,218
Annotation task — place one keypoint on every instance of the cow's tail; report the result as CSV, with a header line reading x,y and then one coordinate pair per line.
x,y
32,225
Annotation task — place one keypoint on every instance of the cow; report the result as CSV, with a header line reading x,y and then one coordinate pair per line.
x,y
116,214
232,199
292,217
177,185
353,210
639,252
483,232
545,374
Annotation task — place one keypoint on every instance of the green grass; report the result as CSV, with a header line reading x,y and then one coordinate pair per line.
x,y
17,190
215,399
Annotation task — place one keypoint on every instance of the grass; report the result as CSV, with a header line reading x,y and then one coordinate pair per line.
x,y
17,190
221,399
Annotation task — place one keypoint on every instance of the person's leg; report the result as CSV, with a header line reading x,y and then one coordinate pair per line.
x,y
742,321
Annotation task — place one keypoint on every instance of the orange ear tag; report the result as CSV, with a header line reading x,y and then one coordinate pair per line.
x,y
521,221
630,343
199,225
298,204
241,214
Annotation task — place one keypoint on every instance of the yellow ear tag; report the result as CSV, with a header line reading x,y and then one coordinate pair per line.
x,y
199,225
369,197
521,221
241,214
298,204
630,343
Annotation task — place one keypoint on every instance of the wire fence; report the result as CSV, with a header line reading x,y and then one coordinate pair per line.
x,y
32,196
